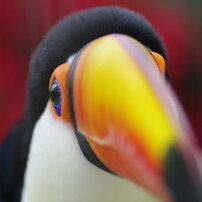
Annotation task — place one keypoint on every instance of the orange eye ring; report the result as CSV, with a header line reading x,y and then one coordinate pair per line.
x,y
60,74
160,61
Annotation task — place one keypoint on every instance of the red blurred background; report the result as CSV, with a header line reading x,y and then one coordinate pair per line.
x,y
23,24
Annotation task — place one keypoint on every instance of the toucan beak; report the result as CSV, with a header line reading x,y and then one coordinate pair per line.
x,y
129,116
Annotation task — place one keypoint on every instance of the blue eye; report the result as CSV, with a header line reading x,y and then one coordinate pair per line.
x,y
55,95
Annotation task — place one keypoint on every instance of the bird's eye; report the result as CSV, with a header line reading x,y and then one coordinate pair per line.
x,y
56,97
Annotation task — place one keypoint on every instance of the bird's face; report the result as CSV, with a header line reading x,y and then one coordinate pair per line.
x,y
114,94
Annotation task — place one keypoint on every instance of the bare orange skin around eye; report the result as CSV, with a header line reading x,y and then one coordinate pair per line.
x,y
61,75
160,61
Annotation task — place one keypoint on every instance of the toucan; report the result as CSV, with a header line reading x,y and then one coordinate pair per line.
x,y
101,123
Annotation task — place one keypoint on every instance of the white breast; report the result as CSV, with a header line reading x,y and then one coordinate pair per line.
x,y
57,171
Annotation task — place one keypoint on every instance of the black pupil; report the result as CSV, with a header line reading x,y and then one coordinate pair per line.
x,y
54,94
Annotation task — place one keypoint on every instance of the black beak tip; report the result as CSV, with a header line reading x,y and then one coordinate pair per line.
x,y
182,184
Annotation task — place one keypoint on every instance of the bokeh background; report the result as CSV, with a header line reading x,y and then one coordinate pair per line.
x,y
23,24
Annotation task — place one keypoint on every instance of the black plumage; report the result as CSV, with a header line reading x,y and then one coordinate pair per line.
x,y
65,39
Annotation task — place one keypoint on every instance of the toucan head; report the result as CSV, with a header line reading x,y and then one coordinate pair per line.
x,y
115,96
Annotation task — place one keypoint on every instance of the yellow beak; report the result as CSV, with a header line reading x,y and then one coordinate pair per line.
x,y
131,119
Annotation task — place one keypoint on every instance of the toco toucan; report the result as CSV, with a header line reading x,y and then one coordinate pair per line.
x,y
101,123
